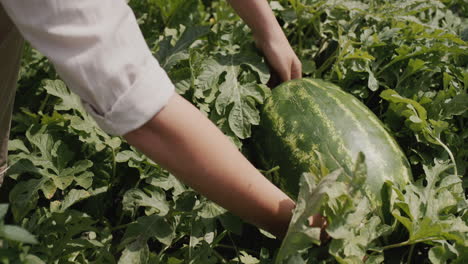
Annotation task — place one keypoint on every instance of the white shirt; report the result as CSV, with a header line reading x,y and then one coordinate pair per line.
x,y
99,51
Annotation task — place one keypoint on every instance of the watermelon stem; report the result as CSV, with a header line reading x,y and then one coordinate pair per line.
x,y
410,254
449,153
411,242
270,171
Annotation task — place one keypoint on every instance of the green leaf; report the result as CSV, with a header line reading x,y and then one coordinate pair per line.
x,y
211,210
73,197
300,236
53,162
442,253
23,197
267,234
48,188
392,96
126,155
295,259
245,258
147,227
376,259
18,234
372,83
243,113
154,201
82,123
135,253
176,12
79,169
414,65
458,105
256,63
210,74
22,165
167,183
31,259
69,101
169,55
17,144
427,202
232,223
173,260
3,211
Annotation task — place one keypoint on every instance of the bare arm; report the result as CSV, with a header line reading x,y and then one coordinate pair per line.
x,y
185,142
179,137
269,37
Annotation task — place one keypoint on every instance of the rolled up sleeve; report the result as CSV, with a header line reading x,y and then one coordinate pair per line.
x,y
99,51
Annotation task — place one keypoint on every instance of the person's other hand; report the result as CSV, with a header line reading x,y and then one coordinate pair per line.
x,y
320,221
283,61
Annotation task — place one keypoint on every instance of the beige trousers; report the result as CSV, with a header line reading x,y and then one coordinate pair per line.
x,y
11,46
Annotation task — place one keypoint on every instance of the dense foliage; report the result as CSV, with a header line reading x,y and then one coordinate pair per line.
x,y
74,194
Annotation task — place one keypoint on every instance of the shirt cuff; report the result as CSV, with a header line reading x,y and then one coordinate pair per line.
x,y
138,104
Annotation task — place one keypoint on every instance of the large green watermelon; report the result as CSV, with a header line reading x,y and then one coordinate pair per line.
x,y
308,119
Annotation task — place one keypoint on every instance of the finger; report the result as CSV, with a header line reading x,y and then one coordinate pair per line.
x,y
321,222
296,69
324,236
317,221
283,69
285,74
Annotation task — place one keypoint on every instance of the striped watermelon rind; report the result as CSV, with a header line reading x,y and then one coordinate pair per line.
x,y
309,122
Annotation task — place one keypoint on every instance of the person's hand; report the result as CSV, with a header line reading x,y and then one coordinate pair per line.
x,y
269,38
283,61
320,221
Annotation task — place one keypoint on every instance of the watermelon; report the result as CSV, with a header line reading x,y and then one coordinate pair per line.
x,y
309,124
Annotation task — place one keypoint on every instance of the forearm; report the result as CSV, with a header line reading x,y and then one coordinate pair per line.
x,y
185,142
258,15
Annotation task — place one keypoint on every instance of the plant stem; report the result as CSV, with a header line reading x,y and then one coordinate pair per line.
x,y
223,260
327,63
119,227
268,172
410,242
114,165
401,59
191,234
44,103
449,152
402,244
235,247
410,254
